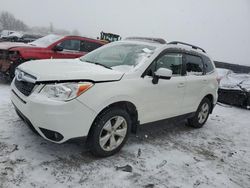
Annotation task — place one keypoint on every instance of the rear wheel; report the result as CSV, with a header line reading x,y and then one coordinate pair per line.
x,y
110,132
201,114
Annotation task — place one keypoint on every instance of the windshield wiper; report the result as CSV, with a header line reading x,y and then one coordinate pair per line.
x,y
103,65
98,64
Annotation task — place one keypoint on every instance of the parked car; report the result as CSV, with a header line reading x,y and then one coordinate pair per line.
x,y
22,37
26,38
106,94
234,88
6,33
50,46
13,37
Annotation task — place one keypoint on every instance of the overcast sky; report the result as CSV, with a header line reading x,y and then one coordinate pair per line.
x,y
222,27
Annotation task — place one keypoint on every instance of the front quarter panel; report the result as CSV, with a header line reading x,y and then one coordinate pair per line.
x,y
103,94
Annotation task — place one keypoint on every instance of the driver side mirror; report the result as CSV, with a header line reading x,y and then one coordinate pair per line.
x,y
162,73
58,48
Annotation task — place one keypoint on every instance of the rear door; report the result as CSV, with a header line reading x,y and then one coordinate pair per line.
x,y
196,81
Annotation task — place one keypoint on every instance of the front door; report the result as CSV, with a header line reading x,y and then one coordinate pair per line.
x,y
164,99
71,49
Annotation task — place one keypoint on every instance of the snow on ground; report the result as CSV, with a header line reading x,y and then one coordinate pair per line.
x,y
218,155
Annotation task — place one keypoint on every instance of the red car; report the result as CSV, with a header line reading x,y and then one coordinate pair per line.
x,y
50,46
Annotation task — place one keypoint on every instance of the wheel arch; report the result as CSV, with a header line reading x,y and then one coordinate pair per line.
x,y
128,106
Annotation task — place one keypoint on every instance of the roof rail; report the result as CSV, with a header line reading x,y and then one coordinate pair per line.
x,y
157,40
183,43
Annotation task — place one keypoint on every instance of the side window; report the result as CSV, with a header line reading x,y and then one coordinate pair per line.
x,y
194,65
172,61
87,46
71,45
209,67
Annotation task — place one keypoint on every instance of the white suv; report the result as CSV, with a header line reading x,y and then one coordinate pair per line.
x,y
107,93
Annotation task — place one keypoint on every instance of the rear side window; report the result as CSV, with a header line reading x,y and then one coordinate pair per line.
x,y
209,67
172,61
194,65
87,46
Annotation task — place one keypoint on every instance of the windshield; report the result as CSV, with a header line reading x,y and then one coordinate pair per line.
x,y
46,41
120,56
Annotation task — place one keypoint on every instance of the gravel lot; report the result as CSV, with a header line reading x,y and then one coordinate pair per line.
x,y
175,155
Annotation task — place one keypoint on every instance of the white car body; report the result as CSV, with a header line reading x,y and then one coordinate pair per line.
x,y
169,98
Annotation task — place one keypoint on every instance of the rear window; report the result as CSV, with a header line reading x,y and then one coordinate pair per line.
x,y
209,67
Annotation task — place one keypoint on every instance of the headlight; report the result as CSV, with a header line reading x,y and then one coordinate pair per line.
x,y
65,91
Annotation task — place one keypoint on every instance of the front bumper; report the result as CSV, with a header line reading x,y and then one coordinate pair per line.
x,y
55,121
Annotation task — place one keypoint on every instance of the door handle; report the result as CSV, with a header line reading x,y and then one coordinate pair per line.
x,y
181,85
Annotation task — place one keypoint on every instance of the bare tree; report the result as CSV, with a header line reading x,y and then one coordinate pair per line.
x,y
9,22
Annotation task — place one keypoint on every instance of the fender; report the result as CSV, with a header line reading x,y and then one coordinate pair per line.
x,y
112,100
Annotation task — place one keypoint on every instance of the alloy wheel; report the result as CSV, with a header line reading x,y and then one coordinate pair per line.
x,y
113,133
203,114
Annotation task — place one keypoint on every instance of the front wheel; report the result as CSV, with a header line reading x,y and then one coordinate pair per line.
x,y
110,132
201,114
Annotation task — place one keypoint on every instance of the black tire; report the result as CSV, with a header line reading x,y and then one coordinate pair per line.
x,y
97,129
194,121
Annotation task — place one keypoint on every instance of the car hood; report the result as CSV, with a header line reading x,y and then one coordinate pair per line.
x,y
9,45
68,70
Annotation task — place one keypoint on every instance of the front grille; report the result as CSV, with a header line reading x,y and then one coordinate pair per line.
x,y
24,87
